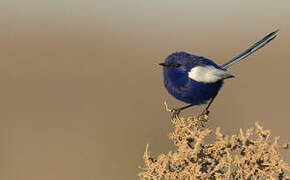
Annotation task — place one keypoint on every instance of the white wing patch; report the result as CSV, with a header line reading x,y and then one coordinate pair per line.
x,y
208,74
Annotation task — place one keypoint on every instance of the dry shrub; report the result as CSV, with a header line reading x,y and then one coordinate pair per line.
x,y
249,155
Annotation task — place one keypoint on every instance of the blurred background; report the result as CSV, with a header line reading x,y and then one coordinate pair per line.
x,y
82,93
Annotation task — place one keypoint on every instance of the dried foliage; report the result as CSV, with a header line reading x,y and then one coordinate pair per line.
x,y
249,155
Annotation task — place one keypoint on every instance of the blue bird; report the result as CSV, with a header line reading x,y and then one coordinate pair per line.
x,y
197,80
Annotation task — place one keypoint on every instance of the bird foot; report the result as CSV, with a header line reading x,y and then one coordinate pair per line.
x,y
204,113
175,113
203,117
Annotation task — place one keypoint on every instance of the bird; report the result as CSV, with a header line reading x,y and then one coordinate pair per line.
x,y
196,80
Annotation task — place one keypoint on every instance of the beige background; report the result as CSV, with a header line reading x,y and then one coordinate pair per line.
x,y
82,93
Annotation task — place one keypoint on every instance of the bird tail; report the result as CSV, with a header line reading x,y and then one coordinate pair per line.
x,y
252,49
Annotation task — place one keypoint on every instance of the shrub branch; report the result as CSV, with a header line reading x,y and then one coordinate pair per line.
x,y
250,154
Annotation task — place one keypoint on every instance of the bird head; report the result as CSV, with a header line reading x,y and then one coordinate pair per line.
x,y
179,61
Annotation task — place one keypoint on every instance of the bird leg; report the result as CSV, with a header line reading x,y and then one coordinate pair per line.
x,y
176,112
206,111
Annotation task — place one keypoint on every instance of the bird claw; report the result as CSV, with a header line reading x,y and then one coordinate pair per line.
x,y
175,113
203,117
205,112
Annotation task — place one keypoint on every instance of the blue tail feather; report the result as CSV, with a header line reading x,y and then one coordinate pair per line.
x,y
252,49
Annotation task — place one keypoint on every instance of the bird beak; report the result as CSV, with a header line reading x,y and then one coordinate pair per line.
x,y
163,64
